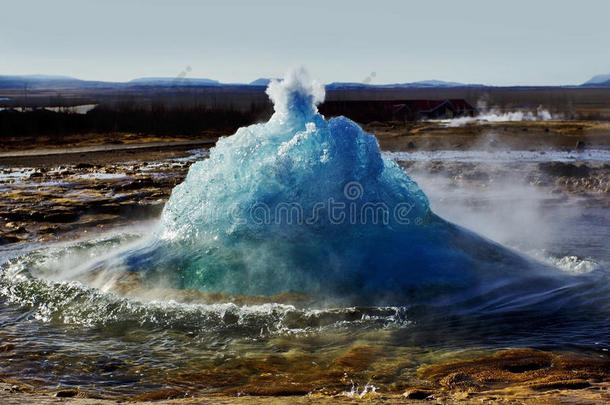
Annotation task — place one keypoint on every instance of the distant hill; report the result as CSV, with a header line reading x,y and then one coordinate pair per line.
x,y
173,81
66,82
599,80
346,85
262,81
438,83
48,82
422,83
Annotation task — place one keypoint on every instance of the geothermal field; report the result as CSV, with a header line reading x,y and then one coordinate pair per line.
x,y
233,202
310,257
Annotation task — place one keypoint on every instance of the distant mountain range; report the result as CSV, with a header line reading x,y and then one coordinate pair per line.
x,y
173,81
598,81
423,83
263,81
47,82
351,85
66,82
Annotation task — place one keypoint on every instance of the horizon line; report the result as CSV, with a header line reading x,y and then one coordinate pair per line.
x,y
450,83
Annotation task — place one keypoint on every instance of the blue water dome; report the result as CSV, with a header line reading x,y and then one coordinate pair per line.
x,y
305,204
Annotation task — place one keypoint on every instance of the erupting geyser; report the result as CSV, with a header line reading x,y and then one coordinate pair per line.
x,y
305,204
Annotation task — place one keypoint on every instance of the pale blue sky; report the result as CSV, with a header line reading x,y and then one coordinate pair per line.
x,y
490,42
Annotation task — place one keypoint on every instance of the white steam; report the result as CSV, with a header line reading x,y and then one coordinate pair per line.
x,y
494,114
297,92
506,209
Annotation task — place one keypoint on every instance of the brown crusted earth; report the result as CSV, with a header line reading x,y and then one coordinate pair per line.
x,y
519,376
517,135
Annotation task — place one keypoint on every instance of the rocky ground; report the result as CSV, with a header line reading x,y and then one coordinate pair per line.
x,y
48,201
514,376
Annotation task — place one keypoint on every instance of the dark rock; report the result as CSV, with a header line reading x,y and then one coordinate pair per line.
x,y
108,365
162,394
411,145
522,368
476,175
7,347
460,381
575,384
19,214
99,219
61,216
9,238
137,184
48,229
417,393
14,227
14,388
560,169
436,167
69,393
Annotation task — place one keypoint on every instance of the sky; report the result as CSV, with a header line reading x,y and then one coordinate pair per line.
x,y
490,42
